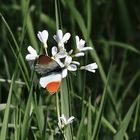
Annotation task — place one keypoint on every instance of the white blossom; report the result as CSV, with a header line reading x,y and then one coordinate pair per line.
x,y
90,67
43,37
80,44
56,54
65,121
68,66
61,39
32,54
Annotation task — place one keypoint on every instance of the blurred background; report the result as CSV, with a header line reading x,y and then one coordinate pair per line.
x,y
114,29
111,27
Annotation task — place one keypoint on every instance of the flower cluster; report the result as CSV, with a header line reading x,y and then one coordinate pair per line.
x,y
55,67
60,54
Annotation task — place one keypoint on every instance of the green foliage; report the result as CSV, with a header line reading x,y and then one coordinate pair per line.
x,y
104,107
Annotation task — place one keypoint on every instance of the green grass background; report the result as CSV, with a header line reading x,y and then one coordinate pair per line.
x,y
105,104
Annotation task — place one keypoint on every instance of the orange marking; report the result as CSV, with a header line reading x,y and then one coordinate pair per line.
x,y
53,86
43,59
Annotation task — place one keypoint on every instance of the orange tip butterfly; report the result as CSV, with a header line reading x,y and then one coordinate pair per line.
x,y
51,73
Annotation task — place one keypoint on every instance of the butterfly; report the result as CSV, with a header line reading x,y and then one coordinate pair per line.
x,y
51,73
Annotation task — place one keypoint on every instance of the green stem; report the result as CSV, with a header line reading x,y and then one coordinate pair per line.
x,y
46,50
58,109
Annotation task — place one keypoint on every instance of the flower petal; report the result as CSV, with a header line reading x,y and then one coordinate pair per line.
x,y
77,41
91,66
43,36
54,50
72,67
30,57
31,50
64,73
59,35
86,48
90,70
79,54
68,60
66,37
75,62
70,120
81,44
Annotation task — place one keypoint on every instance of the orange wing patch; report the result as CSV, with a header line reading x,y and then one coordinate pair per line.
x,y
52,87
43,59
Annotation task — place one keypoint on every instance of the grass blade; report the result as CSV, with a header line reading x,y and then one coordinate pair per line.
x,y
81,126
100,112
27,119
105,122
121,45
89,125
124,124
7,111
136,115
128,87
65,105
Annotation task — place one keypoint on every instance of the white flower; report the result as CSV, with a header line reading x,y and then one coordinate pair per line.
x,y
65,121
80,43
69,66
90,67
61,39
43,37
32,54
56,54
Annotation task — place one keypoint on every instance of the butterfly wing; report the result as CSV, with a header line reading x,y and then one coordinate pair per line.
x,y
47,65
51,82
51,73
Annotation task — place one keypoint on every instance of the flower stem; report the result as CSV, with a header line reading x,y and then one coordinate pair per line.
x,y
46,51
58,109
